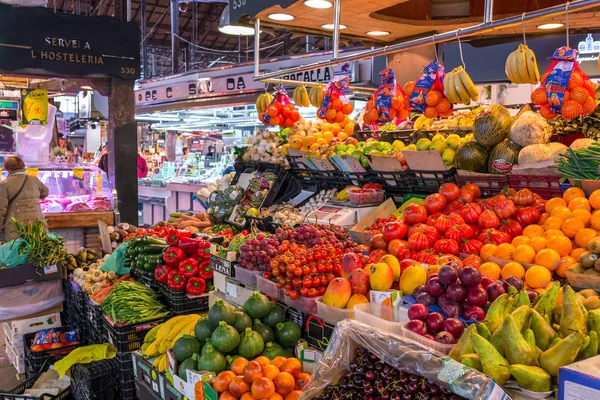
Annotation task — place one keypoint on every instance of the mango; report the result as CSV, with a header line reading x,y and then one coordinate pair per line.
x,y
338,293
412,278
381,277
359,281
394,264
356,299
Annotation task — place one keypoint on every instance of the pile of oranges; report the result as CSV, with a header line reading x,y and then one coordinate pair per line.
x,y
397,111
579,99
262,379
436,104
278,114
552,245
337,110
314,141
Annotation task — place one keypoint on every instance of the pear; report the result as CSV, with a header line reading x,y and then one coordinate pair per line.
x,y
548,300
555,342
591,349
561,354
483,330
497,312
572,317
471,360
530,339
516,348
544,334
492,362
594,321
522,315
464,345
531,378
522,299
556,314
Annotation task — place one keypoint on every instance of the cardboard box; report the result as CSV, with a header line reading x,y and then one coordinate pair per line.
x,y
388,297
186,387
28,272
15,329
429,160
17,360
358,234
580,380
146,373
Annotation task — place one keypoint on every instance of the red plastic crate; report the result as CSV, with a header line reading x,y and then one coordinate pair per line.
x,y
489,184
545,186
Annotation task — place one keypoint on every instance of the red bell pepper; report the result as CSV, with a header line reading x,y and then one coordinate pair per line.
x,y
195,286
188,267
204,250
173,256
190,245
176,280
174,236
161,273
205,271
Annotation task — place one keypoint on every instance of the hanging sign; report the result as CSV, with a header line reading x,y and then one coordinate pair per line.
x,y
326,74
39,41
32,172
34,103
198,88
9,110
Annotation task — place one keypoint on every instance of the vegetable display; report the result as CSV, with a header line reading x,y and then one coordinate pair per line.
x,y
581,164
132,302
44,249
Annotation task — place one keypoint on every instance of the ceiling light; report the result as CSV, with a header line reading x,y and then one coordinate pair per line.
x,y
378,33
332,27
554,25
87,88
228,29
281,17
320,4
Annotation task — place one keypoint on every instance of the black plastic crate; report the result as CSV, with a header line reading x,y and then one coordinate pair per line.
x,y
128,391
125,361
146,278
430,181
178,302
144,392
127,338
394,182
318,332
79,300
96,380
37,362
16,393
94,315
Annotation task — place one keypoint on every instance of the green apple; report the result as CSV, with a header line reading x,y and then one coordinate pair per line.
x,y
438,145
453,142
411,147
398,144
438,136
364,162
423,144
448,157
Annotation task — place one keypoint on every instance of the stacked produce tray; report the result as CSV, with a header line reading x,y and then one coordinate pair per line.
x,y
96,380
545,186
127,338
146,278
126,376
430,181
17,392
489,184
178,302
37,362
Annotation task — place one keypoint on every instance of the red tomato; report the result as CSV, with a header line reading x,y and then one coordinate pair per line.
x,y
435,203
415,214
540,205
432,218
393,230
470,246
475,228
372,186
459,232
446,246
527,216
472,261
444,222
429,231
488,219
450,191
419,241
375,255
487,204
453,207
471,212
427,257
406,252
493,236
473,188
378,242
396,246
449,259
504,208
512,227
466,196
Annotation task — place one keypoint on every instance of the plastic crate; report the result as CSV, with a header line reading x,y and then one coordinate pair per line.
x,y
330,314
489,184
430,181
442,348
17,392
379,316
127,338
545,186
307,305
179,303
125,361
94,315
144,392
317,333
95,381
127,391
37,362
393,182
147,279
269,288
245,276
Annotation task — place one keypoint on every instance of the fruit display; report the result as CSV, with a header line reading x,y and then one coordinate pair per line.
x,y
521,66
316,95
335,106
567,94
427,94
132,302
251,199
263,101
264,146
589,125
458,119
280,112
387,104
300,96
459,87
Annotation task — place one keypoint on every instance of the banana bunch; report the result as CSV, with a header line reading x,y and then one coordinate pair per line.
x,y
316,95
459,87
163,336
521,66
301,96
263,101
344,194
423,123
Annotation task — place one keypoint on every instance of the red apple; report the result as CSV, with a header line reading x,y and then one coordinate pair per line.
x,y
359,280
417,326
434,322
350,262
407,262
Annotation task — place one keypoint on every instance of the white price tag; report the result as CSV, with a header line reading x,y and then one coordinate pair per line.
x,y
155,386
231,289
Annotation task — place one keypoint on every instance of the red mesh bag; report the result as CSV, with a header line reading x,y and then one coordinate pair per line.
x,y
387,103
281,112
426,95
335,106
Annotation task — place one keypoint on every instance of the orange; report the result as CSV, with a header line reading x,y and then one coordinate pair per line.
x,y
533,231
561,211
342,136
486,251
327,136
491,270
524,253
595,199
595,221
538,243
579,203
553,202
571,226
553,232
561,244
575,253
548,258
553,223
572,193
513,269
307,141
271,371
505,250
584,215
564,265
520,240
537,276
583,236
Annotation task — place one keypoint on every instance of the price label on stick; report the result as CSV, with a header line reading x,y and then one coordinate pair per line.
x,y
78,174
32,172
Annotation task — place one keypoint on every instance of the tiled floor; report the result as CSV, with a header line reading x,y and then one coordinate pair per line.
x,y
8,375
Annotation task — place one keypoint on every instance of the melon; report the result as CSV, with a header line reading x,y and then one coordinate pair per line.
x,y
493,126
507,151
472,156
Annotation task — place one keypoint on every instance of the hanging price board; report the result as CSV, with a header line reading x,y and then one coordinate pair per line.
x,y
32,172
78,174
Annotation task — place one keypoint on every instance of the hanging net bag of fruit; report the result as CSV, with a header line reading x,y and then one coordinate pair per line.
x,y
426,95
280,111
335,106
565,89
387,103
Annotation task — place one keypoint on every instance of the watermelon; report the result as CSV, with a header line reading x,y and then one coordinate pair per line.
x,y
506,150
472,156
493,126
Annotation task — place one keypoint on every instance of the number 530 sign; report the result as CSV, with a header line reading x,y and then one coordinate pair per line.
x,y
239,8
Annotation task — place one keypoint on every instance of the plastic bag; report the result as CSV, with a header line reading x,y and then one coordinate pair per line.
x,y
115,261
281,111
14,253
426,95
30,298
387,103
399,352
34,138
335,106
564,88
